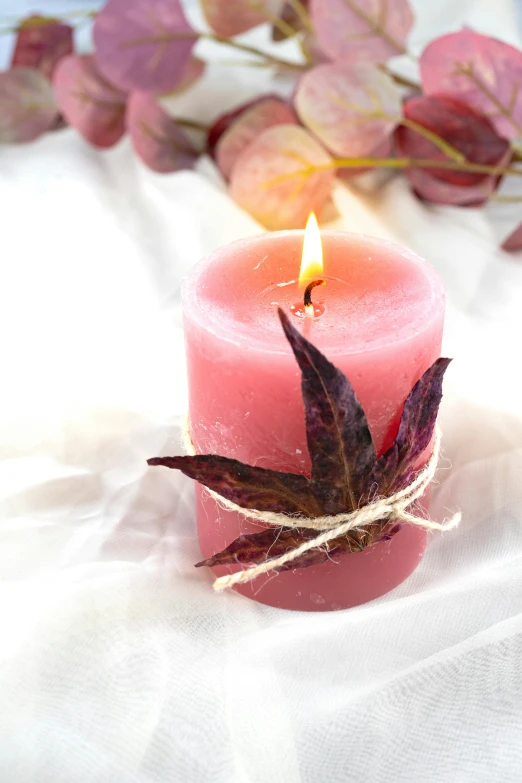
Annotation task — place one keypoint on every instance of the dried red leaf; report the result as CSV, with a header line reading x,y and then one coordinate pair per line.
x,y
27,106
143,44
247,485
480,71
247,126
41,42
344,466
368,31
514,240
467,131
339,440
159,142
88,102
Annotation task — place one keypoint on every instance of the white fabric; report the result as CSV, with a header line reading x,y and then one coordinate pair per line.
x,y
118,664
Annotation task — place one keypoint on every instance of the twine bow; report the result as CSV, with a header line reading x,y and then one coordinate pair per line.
x,y
382,508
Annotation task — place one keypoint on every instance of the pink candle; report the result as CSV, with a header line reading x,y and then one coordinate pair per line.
x,y
381,325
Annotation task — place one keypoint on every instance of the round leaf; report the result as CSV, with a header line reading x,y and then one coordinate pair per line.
x,y
232,17
27,107
480,71
250,124
89,103
41,43
159,142
369,31
351,108
143,44
466,131
271,178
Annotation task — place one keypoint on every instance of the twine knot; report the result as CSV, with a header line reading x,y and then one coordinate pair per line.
x,y
380,508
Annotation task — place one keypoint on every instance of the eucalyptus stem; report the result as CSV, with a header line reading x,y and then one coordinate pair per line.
x,y
191,124
396,163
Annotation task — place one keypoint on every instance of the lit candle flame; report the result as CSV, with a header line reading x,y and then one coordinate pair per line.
x,y
312,258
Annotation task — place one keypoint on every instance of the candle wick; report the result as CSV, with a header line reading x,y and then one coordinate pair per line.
x,y
308,292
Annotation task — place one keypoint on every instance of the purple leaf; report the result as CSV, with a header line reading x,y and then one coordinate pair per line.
x,y
251,122
41,43
514,240
89,103
246,485
255,548
27,107
344,468
352,109
480,71
275,179
369,31
143,44
339,440
232,17
419,418
159,142
466,131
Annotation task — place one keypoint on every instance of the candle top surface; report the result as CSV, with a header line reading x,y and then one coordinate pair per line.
x,y
376,292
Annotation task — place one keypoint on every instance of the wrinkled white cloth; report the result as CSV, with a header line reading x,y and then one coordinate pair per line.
x,y
118,664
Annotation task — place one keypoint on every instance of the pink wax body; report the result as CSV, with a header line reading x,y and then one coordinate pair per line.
x,y
382,326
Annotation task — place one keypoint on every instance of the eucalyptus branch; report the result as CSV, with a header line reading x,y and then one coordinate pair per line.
x,y
395,163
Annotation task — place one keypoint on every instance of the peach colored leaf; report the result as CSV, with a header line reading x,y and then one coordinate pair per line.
x,y
232,17
159,142
275,179
41,43
27,107
369,31
143,44
88,102
480,71
352,109
250,124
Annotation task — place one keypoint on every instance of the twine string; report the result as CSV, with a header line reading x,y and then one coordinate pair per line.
x,y
381,508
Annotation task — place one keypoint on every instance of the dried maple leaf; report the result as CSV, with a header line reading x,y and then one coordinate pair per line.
x,y
345,469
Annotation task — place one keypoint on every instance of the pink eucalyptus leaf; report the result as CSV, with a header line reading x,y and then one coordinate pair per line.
x,y
194,70
143,44
224,121
514,240
250,124
351,108
270,178
88,102
480,71
369,31
27,106
41,43
159,142
232,17
466,131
